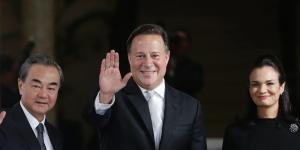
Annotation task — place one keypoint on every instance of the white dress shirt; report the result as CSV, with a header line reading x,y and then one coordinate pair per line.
x,y
34,123
101,108
156,108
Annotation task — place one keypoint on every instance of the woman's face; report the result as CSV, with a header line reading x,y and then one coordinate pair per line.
x,y
265,88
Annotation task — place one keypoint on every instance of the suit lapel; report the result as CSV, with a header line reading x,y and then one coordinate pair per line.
x,y
24,128
170,116
54,138
171,111
140,104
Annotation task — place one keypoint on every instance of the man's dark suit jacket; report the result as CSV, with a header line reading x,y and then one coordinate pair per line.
x,y
127,125
17,134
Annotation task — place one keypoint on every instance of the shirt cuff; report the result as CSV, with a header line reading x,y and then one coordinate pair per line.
x,y
101,108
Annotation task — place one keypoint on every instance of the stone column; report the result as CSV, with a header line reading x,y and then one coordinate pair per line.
x,y
38,24
38,20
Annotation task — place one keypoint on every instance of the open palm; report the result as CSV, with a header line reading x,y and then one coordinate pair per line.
x,y
110,80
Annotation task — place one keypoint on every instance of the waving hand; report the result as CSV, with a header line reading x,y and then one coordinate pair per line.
x,y
110,80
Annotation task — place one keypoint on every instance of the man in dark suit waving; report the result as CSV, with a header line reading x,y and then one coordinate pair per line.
x,y
25,126
141,111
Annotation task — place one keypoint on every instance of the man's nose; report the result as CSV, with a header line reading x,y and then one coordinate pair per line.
x,y
148,61
43,92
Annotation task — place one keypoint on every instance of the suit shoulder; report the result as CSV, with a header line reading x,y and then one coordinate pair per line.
x,y
182,95
184,100
53,129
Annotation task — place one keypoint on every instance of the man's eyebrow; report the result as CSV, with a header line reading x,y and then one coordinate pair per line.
x,y
53,83
254,81
36,80
139,53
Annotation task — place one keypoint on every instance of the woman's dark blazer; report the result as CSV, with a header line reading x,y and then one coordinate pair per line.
x,y
262,134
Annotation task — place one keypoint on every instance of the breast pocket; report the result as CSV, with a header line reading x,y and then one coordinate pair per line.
x,y
183,128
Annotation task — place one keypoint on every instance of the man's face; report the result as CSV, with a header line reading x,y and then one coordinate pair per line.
x,y
148,60
40,89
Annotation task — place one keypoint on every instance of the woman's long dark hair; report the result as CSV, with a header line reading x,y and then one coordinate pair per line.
x,y
285,106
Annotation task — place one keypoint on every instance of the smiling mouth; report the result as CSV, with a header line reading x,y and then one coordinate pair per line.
x,y
147,71
43,103
263,97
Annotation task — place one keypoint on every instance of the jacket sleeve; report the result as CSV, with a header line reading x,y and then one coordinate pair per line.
x,y
198,139
90,115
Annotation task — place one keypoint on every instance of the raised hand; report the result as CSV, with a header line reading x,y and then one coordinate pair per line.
x,y
2,116
110,80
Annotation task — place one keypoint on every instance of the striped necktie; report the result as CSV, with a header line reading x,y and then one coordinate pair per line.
x,y
40,136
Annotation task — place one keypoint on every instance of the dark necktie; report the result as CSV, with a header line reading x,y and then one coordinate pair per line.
x,y
40,137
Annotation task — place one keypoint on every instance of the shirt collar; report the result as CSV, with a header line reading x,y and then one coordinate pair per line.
x,y
31,119
160,89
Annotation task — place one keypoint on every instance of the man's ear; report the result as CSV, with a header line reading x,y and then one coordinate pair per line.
x,y
20,86
168,53
129,58
2,116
